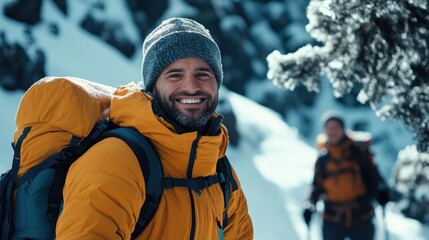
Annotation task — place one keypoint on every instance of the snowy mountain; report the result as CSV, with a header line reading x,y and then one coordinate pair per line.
x,y
273,159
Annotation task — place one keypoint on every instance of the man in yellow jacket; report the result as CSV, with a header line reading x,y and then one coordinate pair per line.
x,y
175,110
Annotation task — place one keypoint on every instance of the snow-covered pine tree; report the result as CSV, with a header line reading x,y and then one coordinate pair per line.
x,y
411,180
381,45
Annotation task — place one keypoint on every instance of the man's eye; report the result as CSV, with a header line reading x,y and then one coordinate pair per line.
x,y
203,76
174,76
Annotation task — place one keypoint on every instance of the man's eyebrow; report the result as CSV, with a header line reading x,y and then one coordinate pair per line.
x,y
203,69
174,70
198,70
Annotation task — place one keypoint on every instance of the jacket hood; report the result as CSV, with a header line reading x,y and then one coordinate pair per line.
x,y
58,108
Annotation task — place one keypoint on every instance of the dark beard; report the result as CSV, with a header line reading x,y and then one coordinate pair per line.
x,y
193,122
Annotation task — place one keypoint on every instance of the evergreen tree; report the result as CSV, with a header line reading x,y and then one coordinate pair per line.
x,y
411,183
382,46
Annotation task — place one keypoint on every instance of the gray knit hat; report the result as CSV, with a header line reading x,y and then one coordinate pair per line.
x,y
174,39
332,115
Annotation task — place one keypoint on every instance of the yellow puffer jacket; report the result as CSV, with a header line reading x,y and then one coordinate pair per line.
x,y
105,189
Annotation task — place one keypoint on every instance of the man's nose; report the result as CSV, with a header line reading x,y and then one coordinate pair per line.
x,y
190,83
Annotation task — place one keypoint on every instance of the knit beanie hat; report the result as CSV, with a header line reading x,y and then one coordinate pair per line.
x,y
332,115
174,39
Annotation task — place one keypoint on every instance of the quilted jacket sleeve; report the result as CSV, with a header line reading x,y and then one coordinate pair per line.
x,y
103,193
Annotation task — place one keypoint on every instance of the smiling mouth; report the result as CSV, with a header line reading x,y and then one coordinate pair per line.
x,y
190,100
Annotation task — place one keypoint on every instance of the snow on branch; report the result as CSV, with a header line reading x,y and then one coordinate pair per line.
x,y
383,45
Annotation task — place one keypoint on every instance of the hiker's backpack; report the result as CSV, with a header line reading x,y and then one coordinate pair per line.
x,y
361,149
31,191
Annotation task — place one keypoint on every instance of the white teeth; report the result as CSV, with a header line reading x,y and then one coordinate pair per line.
x,y
190,101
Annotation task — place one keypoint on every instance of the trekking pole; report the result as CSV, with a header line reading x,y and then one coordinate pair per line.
x,y
309,231
386,232
316,218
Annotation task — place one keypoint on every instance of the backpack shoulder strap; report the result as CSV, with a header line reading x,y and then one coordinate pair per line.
x,y
17,152
229,185
151,167
369,172
362,154
224,166
321,163
7,186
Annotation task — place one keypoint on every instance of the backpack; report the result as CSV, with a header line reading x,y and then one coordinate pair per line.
x,y
34,215
361,148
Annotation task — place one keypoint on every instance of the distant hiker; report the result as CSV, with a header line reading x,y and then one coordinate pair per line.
x,y
348,181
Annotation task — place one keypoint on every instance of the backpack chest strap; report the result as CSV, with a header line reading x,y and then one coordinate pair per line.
x,y
195,184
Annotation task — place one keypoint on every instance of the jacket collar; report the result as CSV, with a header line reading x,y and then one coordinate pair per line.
x,y
340,150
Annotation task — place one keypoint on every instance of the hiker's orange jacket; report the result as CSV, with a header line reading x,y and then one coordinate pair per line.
x,y
105,188
338,177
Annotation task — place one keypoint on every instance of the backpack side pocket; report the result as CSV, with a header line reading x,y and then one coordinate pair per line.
x,y
31,211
